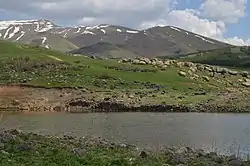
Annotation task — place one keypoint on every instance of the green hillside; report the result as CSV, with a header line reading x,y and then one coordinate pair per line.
x,y
33,66
232,57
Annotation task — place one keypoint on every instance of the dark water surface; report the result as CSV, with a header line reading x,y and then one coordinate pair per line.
x,y
221,132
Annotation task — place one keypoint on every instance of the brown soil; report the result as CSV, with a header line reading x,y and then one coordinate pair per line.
x,y
34,99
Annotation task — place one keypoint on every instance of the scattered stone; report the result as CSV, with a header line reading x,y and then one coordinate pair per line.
x,y
24,148
232,72
244,74
1,146
246,84
78,151
131,96
182,73
206,78
179,159
143,154
4,152
236,162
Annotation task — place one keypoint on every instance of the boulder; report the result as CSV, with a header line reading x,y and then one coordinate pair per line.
x,y
244,73
159,63
142,63
180,64
193,69
188,64
210,69
246,84
182,73
124,60
168,63
135,61
206,78
200,67
232,72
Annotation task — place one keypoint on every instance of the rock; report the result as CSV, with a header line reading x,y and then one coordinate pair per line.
x,y
236,162
180,64
24,147
182,73
135,61
188,64
246,84
240,80
232,72
16,102
159,63
200,93
206,78
1,146
4,152
78,151
244,74
167,63
200,67
179,159
143,154
193,69
142,63
7,137
124,60
131,96
210,69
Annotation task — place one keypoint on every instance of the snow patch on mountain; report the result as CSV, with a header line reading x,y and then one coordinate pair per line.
x,y
175,29
103,31
22,34
129,31
44,39
6,24
88,32
16,30
7,32
204,39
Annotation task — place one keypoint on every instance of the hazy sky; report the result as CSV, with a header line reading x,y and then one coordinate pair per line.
x,y
226,20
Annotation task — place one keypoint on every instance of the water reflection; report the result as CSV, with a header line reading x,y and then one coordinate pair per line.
x,y
220,132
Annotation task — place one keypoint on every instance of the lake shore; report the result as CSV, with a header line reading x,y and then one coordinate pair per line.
x,y
15,146
16,98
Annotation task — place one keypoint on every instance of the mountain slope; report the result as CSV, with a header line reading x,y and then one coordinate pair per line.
x,y
105,50
152,42
232,57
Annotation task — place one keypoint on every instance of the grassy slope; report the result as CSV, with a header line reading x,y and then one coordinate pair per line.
x,y
240,58
42,67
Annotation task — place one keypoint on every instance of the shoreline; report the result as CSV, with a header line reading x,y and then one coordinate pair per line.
x,y
23,98
14,144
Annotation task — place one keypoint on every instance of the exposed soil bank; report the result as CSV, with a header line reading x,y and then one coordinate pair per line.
x,y
31,99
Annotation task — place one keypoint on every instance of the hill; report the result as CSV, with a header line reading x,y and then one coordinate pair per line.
x,y
151,42
130,85
231,57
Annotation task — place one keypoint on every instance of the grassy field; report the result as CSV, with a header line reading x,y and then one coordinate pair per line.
x,y
29,65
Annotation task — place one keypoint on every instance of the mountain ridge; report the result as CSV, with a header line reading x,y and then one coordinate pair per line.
x,y
151,42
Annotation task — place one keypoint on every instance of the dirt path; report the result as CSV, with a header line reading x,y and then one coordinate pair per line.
x,y
55,58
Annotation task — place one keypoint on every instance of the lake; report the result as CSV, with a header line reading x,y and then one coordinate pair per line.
x,y
224,133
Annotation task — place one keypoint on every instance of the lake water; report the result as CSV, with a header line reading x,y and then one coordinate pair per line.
x,y
226,133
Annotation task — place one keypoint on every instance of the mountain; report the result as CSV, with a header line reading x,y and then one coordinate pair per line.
x,y
107,40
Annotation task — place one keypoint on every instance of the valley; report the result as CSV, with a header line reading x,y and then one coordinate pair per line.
x,y
137,88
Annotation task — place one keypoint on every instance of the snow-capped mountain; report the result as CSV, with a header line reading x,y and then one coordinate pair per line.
x,y
155,41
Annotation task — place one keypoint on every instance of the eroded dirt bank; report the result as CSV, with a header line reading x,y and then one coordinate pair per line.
x,y
20,98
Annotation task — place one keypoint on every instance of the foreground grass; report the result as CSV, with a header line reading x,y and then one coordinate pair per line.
x,y
30,149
